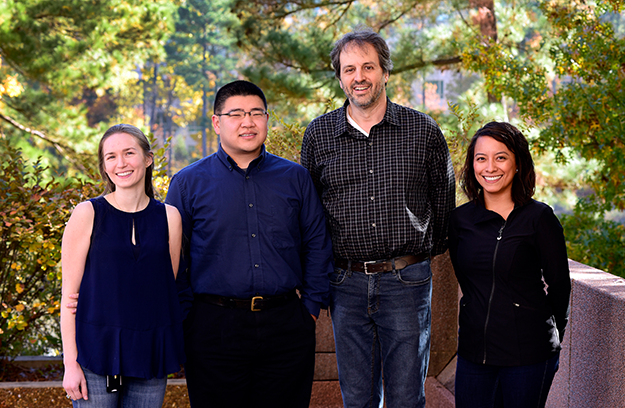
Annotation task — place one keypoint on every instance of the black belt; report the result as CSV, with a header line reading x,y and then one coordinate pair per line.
x,y
255,304
370,267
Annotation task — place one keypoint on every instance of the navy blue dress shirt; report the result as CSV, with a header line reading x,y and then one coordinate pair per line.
x,y
254,232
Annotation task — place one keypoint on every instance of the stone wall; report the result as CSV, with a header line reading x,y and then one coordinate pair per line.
x,y
592,361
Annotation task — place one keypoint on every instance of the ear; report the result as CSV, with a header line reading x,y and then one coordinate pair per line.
x,y
216,124
149,160
341,84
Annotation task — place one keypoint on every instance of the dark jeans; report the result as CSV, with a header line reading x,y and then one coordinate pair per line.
x,y
487,386
239,358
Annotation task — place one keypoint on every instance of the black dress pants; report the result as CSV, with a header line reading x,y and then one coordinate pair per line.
x,y
239,358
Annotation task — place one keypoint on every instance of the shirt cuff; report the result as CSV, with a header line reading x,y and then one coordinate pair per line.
x,y
312,307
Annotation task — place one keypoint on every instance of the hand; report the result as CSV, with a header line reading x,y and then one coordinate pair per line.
x,y
72,305
74,382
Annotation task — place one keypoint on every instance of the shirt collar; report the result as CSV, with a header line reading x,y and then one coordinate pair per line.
x,y
482,214
391,116
231,164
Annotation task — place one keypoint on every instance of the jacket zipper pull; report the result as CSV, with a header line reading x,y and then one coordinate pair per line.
x,y
501,231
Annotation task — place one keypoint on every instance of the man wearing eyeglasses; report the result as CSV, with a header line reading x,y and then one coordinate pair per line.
x,y
257,262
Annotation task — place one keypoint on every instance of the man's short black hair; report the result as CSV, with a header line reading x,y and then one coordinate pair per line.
x,y
236,88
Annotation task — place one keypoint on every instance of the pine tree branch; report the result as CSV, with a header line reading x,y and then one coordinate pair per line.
x,y
421,64
65,151
402,13
305,5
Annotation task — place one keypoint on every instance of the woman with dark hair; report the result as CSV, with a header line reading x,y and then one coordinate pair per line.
x,y
509,255
121,252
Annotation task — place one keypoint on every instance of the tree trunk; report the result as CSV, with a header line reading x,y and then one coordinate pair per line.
x,y
487,22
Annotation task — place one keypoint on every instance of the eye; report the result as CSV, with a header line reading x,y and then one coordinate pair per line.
x,y
258,113
501,158
235,114
348,70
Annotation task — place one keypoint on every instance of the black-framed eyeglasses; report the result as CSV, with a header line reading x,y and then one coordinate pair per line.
x,y
239,114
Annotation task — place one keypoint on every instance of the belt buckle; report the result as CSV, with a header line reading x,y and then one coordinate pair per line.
x,y
365,267
253,306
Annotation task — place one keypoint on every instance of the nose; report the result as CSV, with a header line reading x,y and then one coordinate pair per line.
x,y
121,161
359,77
491,165
247,120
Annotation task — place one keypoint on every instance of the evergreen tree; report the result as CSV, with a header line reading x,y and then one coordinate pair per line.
x,y
62,51
202,53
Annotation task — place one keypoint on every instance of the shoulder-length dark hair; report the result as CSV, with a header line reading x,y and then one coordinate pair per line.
x,y
524,181
143,142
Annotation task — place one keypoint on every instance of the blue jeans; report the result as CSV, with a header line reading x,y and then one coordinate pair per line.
x,y
382,325
134,393
487,386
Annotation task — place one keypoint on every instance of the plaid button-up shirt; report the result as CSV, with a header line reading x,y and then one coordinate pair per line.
x,y
387,194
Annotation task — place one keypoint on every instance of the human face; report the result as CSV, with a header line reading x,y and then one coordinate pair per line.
x,y
124,161
494,166
241,139
362,78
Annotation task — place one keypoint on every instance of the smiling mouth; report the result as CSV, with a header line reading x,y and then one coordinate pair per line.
x,y
124,174
492,178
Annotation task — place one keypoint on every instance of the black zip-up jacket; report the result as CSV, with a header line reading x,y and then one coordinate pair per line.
x,y
515,283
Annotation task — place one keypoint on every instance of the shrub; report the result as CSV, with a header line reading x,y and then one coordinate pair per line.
x,y
33,211
595,241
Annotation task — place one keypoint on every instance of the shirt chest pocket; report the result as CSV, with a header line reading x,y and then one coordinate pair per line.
x,y
284,226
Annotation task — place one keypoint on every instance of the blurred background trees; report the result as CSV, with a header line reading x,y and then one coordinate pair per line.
x,y
71,68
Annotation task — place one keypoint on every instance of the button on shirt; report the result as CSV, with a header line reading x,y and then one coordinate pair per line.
x,y
387,194
254,232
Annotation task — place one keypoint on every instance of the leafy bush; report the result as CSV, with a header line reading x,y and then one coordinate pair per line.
x,y
33,213
285,139
595,241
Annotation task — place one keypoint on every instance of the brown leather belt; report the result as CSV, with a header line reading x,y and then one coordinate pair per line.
x,y
371,267
255,304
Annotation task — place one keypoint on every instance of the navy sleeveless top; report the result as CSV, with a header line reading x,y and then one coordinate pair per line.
x,y
128,319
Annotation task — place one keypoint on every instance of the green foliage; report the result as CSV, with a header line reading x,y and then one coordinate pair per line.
x,y
568,80
458,139
56,52
65,45
160,179
201,50
285,139
33,213
594,241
